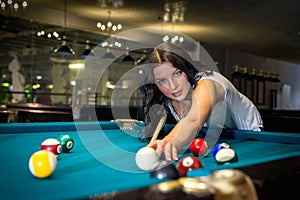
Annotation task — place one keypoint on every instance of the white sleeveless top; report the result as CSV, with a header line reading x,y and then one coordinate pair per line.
x,y
236,111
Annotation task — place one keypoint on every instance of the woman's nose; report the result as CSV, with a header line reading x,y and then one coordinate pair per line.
x,y
173,84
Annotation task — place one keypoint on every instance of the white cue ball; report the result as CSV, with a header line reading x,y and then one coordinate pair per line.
x,y
147,159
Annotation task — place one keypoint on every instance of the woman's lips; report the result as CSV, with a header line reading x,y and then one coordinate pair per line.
x,y
177,94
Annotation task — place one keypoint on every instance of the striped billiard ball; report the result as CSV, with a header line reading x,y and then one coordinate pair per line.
x,y
219,146
226,155
51,144
42,163
66,142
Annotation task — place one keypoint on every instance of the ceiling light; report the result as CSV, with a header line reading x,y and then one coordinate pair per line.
x,y
64,49
114,3
127,58
76,65
109,27
87,52
13,6
174,11
174,39
108,55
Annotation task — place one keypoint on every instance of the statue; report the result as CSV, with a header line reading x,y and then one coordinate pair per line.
x,y
17,80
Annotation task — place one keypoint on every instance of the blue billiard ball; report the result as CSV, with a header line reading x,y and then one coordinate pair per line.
x,y
219,146
226,155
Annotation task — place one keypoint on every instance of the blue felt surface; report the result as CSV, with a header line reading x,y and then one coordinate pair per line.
x,y
78,173
81,173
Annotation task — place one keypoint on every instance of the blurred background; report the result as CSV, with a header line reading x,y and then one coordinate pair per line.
x,y
255,43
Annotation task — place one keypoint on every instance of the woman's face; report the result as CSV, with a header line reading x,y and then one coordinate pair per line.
x,y
171,81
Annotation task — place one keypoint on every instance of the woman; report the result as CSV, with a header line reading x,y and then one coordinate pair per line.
x,y
196,98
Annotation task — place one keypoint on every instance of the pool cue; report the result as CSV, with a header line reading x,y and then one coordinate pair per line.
x,y
158,128
130,120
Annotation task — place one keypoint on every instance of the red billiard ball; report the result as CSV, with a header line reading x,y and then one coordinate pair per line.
x,y
188,163
198,147
66,142
51,144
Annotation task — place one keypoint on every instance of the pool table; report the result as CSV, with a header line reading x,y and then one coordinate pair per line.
x,y
102,159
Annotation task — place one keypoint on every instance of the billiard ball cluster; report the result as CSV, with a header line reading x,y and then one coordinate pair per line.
x,y
43,162
148,160
176,178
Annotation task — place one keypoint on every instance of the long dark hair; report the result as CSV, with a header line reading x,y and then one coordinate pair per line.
x,y
150,94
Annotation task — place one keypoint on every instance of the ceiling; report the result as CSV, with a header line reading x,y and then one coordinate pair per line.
x,y
269,28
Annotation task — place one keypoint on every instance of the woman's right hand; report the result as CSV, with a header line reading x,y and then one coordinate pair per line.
x,y
165,148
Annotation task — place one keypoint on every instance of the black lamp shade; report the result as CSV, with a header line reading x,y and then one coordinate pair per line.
x,y
64,49
108,55
128,59
87,53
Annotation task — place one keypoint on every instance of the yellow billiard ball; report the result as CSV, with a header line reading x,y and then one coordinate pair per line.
x,y
42,163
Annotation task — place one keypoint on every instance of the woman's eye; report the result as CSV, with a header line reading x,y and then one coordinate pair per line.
x,y
177,73
161,81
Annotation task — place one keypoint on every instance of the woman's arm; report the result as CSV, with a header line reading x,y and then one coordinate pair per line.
x,y
206,94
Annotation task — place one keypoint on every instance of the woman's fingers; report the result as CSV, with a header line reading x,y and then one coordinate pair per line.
x,y
158,145
174,153
170,152
168,149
